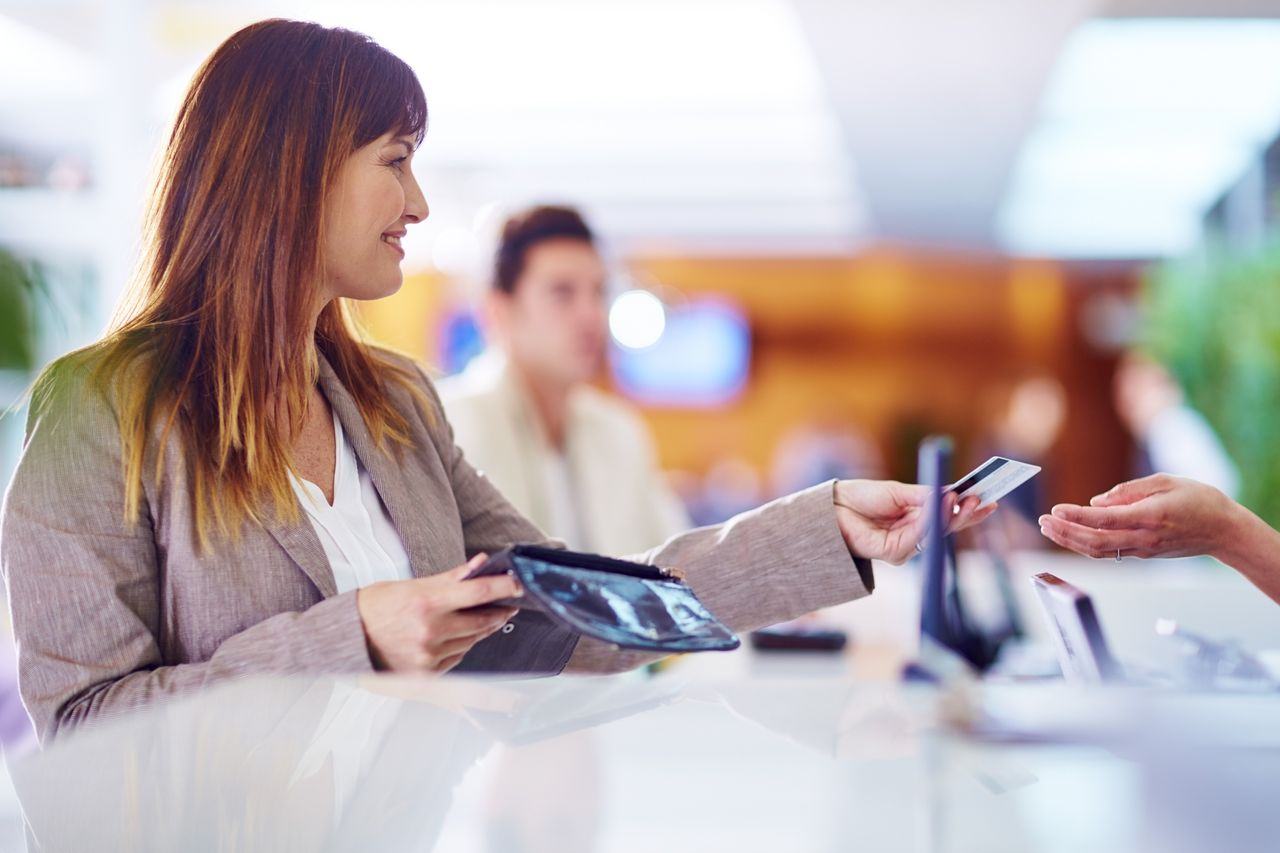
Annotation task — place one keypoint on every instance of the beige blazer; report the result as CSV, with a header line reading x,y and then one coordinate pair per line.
x,y
109,617
623,504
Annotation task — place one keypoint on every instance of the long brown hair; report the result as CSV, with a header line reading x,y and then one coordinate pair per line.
x,y
215,339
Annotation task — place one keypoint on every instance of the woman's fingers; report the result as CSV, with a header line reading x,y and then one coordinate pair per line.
x,y
461,594
460,572
910,494
462,644
959,514
1132,491
1120,517
969,514
419,624
1074,537
453,635
980,515
1093,542
450,662
476,623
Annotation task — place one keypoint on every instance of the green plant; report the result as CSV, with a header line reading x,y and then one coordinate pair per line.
x,y
18,286
1215,322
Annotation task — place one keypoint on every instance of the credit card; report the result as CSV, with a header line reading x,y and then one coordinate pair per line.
x,y
994,479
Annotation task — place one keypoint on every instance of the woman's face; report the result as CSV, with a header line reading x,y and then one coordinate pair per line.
x,y
373,201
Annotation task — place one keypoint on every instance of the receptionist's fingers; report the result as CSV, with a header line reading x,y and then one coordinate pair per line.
x,y
1121,517
1091,542
1181,518
1134,490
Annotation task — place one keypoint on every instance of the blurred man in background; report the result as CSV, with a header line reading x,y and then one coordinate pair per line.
x,y
1023,419
1173,437
575,460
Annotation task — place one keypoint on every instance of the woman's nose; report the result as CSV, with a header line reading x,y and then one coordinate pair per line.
x,y
415,204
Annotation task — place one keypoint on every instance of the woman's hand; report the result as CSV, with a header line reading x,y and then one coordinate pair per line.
x,y
1157,516
420,625
884,520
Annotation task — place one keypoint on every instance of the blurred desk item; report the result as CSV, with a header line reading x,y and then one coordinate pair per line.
x,y
786,638
610,764
1200,594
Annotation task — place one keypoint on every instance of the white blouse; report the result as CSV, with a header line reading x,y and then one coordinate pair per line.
x,y
358,536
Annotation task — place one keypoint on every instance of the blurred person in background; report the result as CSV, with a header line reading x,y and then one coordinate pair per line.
x,y
1023,420
1167,516
823,448
576,461
1172,437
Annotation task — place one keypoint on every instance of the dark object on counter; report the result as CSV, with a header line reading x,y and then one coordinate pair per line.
x,y
798,639
631,605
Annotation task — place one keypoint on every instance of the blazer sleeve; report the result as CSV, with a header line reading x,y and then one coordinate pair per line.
x,y
770,564
773,563
84,586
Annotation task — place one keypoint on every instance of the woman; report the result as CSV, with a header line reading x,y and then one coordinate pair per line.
x,y
1166,516
232,482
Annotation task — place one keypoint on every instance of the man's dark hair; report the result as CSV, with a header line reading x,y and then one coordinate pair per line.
x,y
528,228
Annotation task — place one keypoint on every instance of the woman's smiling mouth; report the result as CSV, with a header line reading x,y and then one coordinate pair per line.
x,y
393,240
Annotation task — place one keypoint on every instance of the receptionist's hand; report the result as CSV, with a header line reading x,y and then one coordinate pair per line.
x,y
884,520
1156,516
421,625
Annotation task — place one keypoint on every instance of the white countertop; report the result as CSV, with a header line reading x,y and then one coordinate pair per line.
x,y
720,752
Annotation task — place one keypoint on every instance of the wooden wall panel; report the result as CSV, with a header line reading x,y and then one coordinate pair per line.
x,y
897,343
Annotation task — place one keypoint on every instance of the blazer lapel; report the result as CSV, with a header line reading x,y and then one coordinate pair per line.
x,y
304,548
300,542
388,479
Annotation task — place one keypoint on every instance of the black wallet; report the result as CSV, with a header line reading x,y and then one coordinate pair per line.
x,y
631,605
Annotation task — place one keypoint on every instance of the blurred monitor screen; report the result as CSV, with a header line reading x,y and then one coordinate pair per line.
x,y
701,359
460,341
